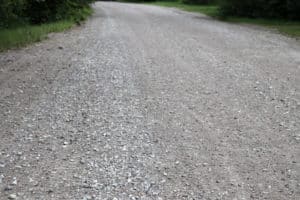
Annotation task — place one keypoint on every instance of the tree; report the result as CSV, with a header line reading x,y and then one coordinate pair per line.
x,y
283,9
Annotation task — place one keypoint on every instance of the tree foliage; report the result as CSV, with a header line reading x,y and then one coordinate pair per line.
x,y
39,11
284,9
11,10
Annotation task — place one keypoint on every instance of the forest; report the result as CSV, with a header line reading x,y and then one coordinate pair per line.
x,y
16,12
275,9
281,9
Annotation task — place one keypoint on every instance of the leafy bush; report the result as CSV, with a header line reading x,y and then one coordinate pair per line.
x,y
40,11
293,9
11,11
287,9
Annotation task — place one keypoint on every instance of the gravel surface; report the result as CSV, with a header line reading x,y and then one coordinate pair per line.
x,y
144,102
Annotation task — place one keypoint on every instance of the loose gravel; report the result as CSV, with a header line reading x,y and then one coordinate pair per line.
x,y
144,102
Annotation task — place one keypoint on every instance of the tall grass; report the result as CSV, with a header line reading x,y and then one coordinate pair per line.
x,y
289,28
18,37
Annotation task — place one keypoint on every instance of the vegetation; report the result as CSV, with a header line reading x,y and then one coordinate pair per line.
x,y
53,10
282,24
270,9
15,12
289,28
26,21
201,2
279,9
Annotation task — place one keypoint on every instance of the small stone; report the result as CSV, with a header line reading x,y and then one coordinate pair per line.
x,y
15,182
12,196
60,47
76,176
81,162
50,191
35,183
87,197
7,188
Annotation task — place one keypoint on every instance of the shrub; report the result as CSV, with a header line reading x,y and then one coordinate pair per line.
x,y
11,11
293,9
40,11
287,9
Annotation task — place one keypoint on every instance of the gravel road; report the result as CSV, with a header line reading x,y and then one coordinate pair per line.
x,y
144,102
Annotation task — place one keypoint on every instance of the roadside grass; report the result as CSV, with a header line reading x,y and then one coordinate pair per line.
x,y
25,34
289,28
20,36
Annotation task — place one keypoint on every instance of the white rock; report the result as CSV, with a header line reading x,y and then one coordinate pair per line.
x,y
12,196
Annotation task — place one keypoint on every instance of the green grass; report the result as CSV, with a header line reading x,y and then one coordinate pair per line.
x,y
290,28
26,34
21,36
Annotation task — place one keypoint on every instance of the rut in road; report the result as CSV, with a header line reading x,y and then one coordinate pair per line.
x,y
144,102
